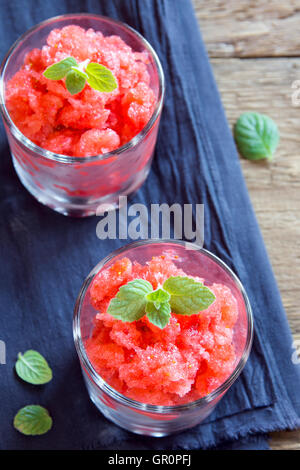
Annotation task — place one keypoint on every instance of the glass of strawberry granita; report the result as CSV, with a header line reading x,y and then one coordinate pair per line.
x,y
157,381
78,153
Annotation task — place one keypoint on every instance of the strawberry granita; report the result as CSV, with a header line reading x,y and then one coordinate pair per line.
x,y
188,359
90,122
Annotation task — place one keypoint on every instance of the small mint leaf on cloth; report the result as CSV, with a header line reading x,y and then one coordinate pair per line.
x,y
188,296
256,136
75,82
33,368
100,78
33,420
60,69
160,315
130,302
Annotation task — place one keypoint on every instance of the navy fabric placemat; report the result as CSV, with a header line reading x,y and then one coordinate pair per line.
x,y
45,256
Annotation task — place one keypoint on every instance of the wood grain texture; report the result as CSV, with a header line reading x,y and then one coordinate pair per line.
x,y
265,86
243,28
250,44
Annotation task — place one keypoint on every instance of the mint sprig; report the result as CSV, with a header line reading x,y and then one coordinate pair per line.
x,y
96,75
33,420
179,294
33,368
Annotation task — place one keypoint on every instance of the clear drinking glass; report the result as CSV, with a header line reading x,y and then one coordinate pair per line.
x,y
154,420
73,185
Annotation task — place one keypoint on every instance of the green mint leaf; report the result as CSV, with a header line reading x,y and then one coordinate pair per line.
x,y
33,420
75,82
160,315
33,368
158,296
256,136
80,72
129,303
100,78
60,69
188,296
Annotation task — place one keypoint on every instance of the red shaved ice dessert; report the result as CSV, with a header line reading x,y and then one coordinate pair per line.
x,y
185,361
90,122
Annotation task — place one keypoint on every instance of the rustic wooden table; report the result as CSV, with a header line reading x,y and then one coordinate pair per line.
x,y
254,48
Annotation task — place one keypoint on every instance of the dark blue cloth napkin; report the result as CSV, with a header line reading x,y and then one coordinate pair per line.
x,y
45,256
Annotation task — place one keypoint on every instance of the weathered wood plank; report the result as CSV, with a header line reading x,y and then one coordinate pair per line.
x,y
260,29
243,28
265,86
286,440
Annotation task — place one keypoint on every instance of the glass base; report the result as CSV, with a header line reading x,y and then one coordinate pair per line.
x,y
154,427
144,422
80,206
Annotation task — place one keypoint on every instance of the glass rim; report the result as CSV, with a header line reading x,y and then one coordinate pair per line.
x,y
67,158
159,409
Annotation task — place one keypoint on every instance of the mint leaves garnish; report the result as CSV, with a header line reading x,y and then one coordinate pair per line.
x,y
75,82
158,314
187,295
158,296
181,295
33,420
98,76
256,136
158,308
33,368
60,69
130,302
